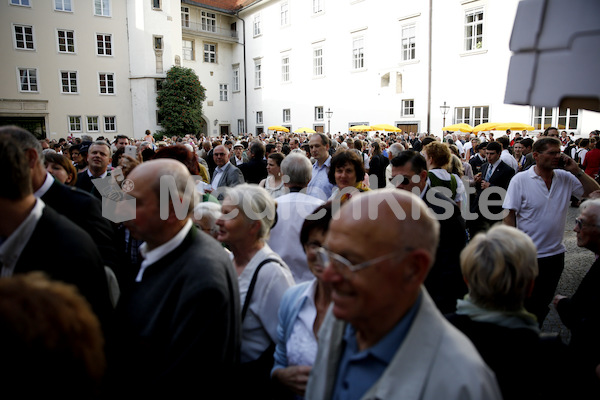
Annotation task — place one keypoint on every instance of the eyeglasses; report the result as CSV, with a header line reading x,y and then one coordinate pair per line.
x,y
328,258
400,180
579,223
551,153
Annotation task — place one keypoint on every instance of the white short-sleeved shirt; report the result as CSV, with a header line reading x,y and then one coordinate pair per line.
x,y
542,213
260,325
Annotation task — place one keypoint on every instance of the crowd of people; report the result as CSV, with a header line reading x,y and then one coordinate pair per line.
x,y
289,266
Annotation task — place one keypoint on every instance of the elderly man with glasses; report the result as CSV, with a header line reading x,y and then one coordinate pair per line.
x,y
383,337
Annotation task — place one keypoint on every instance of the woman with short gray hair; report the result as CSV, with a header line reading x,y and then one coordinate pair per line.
x,y
248,213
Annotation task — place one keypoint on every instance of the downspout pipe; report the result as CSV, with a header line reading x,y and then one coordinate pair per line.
x,y
430,66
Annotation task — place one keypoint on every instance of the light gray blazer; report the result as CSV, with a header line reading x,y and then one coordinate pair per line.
x,y
434,362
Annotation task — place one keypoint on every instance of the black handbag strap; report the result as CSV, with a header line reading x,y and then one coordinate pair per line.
x,y
253,283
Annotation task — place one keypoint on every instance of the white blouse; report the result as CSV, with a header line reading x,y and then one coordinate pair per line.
x,y
301,346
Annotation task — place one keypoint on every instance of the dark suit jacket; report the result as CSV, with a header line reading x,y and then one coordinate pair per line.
x,y
254,170
476,163
85,211
529,161
178,331
444,281
501,177
65,252
84,182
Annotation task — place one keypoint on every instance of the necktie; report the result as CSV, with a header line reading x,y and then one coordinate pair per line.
x,y
489,173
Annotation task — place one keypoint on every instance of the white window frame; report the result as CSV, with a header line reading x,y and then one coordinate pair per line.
x,y
106,89
89,123
188,52
319,113
104,42
157,42
567,116
66,44
63,5
285,68
236,79
154,7
408,107
460,118
259,117
285,13
208,21
69,78
104,8
240,126
185,17
287,115
472,40
208,53
29,74
481,119
256,25
74,121
409,42
358,53
108,123
223,92
317,6
318,70
257,73
25,41
20,3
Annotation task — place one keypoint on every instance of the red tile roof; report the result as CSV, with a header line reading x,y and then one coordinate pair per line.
x,y
229,5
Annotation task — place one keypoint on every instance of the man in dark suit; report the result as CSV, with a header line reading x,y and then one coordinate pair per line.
x,y
177,330
78,206
225,175
494,173
32,233
444,281
478,158
99,157
255,170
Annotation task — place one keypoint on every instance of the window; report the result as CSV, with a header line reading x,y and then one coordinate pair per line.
x,y
240,126
481,115
107,83
223,94
542,117
75,123
156,5
358,53
287,116
319,113
462,115
185,17
258,73
103,44
408,108
259,117
24,3
474,29
209,21
159,84
317,6
24,37
188,49
28,80
63,5
318,62
92,124
408,42
102,8
567,118
236,79
257,25
66,41
68,81
285,17
210,52
158,42
285,69
110,123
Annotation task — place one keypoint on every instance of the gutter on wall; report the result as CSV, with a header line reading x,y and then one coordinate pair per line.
x,y
429,69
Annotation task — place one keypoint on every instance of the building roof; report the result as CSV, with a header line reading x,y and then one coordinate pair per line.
x,y
226,5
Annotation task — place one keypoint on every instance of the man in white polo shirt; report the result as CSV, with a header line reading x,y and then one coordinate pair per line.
x,y
537,201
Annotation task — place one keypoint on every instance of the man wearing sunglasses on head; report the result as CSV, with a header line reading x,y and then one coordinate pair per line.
x,y
383,337
444,282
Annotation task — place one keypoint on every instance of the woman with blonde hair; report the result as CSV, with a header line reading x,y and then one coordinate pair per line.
x,y
438,157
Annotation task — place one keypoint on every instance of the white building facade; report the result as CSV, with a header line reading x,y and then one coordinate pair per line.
x,y
321,64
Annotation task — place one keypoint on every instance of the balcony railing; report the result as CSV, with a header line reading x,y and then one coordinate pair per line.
x,y
208,29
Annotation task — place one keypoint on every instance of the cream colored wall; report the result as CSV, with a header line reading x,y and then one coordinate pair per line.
x,y
49,62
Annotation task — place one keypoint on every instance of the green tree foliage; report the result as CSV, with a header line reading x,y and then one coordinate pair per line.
x,y
180,102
